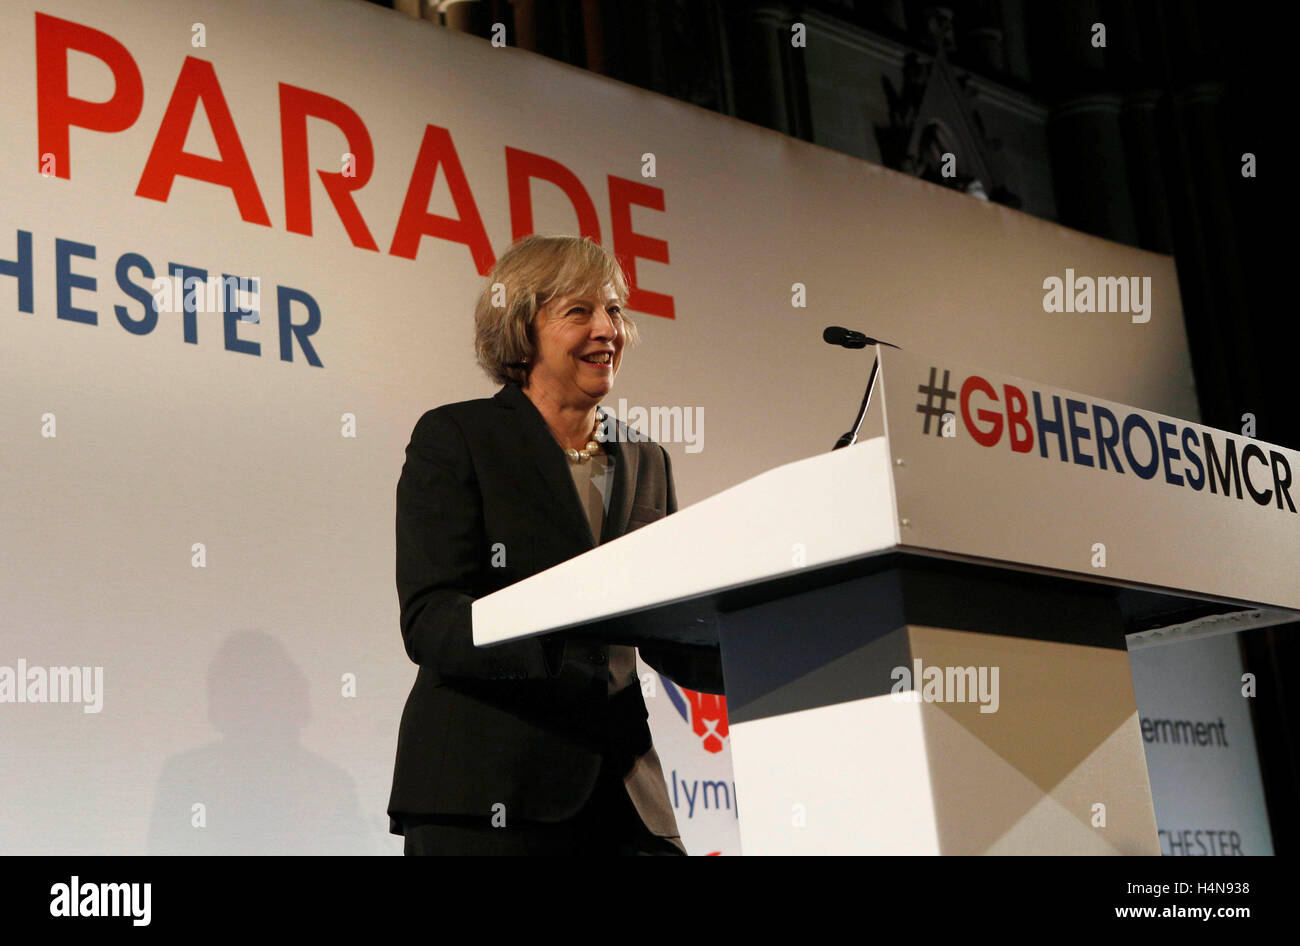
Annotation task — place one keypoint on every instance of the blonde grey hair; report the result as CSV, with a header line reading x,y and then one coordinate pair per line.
x,y
529,274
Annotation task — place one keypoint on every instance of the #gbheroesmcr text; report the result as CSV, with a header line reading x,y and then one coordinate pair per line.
x,y
1086,433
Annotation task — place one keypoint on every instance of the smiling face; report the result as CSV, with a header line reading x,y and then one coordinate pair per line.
x,y
579,345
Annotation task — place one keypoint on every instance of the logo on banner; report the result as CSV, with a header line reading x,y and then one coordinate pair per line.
x,y
705,713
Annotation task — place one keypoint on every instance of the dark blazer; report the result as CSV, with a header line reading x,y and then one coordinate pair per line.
x,y
486,499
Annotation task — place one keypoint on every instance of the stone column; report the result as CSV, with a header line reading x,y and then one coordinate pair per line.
x,y
525,24
593,35
1147,173
460,14
766,46
1015,47
1089,168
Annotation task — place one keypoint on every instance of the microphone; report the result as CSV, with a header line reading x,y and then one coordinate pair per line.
x,y
847,338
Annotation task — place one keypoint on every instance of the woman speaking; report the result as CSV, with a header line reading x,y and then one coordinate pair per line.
x,y
539,746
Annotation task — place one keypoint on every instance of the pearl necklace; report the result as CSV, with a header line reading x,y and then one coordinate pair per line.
x,y
592,447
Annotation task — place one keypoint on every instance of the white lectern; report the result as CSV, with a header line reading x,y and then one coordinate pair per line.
x,y
924,636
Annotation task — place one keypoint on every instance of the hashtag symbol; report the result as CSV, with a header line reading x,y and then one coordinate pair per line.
x,y
930,391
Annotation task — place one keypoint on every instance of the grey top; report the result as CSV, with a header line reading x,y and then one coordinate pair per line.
x,y
594,480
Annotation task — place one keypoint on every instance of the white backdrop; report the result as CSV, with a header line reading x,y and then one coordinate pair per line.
x,y
214,529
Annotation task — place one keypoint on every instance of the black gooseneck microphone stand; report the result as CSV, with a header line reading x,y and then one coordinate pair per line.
x,y
847,338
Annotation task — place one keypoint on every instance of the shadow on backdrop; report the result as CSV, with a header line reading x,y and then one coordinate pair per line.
x,y
260,790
